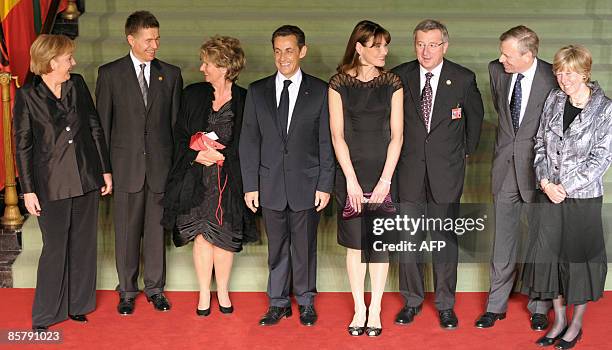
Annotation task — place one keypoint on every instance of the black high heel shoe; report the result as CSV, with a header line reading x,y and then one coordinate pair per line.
x,y
223,309
546,341
564,344
356,331
203,313
373,331
226,310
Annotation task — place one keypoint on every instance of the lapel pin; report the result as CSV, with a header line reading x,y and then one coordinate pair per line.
x,y
448,82
160,78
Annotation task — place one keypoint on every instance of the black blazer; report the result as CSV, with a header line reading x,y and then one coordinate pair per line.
x,y
440,153
287,171
140,138
60,149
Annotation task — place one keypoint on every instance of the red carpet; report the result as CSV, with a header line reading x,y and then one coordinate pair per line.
x,y
182,329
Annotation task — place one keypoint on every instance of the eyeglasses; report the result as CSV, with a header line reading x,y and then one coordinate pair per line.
x,y
431,46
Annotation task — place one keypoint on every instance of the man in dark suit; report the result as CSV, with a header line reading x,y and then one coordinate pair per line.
x,y
138,98
287,166
443,114
520,83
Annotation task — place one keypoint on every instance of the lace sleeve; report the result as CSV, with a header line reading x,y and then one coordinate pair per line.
x,y
394,81
337,82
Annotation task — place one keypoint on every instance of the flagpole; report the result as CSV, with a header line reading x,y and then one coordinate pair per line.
x,y
12,217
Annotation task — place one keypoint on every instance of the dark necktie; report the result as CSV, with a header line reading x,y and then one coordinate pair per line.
x,y
283,106
515,102
426,99
144,88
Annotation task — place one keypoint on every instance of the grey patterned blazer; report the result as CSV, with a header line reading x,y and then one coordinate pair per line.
x,y
578,157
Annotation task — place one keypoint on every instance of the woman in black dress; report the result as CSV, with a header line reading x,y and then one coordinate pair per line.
x,y
567,259
203,200
366,120
63,166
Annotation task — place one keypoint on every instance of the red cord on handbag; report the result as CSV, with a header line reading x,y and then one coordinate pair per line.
x,y
218,216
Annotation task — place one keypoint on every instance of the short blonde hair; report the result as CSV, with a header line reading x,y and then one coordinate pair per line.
x,y
224,52
45,48
574,58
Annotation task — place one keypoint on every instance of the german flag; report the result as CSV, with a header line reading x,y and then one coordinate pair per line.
x,y
22,21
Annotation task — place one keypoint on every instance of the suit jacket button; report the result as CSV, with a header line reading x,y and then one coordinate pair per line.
x,y
69,141
67,128
556,167
558,153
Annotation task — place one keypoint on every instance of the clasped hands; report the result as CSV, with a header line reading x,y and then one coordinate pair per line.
x,y
209,157
556,193
356,198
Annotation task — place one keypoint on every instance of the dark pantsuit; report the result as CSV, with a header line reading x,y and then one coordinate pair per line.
x,y
292,255
509,209
445,261
66,279
138,216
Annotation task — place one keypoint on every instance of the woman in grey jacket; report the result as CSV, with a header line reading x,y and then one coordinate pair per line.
x,y
567,261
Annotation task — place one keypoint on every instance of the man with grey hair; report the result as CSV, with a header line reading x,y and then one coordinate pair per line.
x,y
443,115
520,83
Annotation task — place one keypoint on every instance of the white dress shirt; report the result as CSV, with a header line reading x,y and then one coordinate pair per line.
x,y
526,83
137,63
434,85
294,88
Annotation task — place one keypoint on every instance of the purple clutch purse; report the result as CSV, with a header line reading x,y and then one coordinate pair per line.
x,y
386,207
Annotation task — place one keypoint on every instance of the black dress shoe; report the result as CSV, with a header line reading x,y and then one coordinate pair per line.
x,y
39,329
160,303
564,344
308,315
126,306
448,319
78,318
406,314
546,341
487,320
275,314
539,322
373,331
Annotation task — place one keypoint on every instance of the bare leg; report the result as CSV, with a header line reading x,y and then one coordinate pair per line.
x,y
223,260
356,273
560,317
576,324
378,279
203,262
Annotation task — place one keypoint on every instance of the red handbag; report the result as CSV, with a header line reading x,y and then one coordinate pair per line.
x,y
200,142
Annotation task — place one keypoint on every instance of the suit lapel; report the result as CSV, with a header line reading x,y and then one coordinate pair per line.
x,y
414,81
156,78
505,82
302,98
437,112
131,80
537,93
270,96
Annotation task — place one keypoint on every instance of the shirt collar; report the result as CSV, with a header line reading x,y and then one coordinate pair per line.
x,y
530,73
436,71
296,79
137,62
